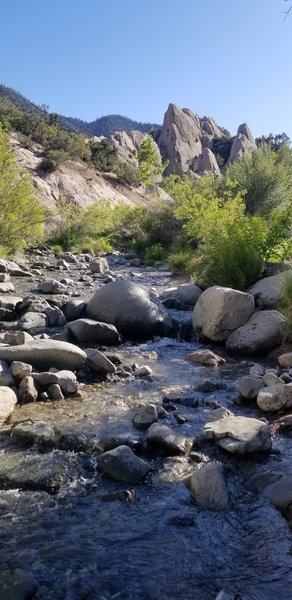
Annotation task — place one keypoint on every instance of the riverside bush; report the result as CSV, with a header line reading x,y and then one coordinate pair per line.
x,y
21,215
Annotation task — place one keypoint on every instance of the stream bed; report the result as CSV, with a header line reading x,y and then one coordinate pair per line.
x,y
91,538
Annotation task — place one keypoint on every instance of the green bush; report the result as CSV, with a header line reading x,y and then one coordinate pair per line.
x,y
155,254
286,306
21,215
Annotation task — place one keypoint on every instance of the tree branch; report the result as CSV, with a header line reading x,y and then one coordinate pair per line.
x,y
287,12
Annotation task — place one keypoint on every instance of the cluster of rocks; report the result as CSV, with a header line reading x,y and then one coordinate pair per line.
x,y
245,322
271,388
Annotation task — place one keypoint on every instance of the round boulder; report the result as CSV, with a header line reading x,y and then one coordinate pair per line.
x,y
221,310
261,333
132,310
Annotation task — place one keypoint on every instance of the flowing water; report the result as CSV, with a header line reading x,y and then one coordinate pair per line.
x,y
158,545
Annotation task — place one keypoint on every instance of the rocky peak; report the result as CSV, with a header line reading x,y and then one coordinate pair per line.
x,y
243,142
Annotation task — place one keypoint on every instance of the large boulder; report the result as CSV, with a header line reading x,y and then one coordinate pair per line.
x,y
87,330
130,308
275,398
221,310
45,354
267,292
262,332
249,387
179,139
208,487
240,435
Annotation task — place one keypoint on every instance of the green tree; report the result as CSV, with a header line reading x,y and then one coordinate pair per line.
x,y
265,177
150,168
21,215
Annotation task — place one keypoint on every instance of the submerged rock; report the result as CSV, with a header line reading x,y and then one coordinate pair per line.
x,y
36,471
205,357
121,464
208,487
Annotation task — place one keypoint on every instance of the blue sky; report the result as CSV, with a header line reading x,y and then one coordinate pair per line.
x,y
230,59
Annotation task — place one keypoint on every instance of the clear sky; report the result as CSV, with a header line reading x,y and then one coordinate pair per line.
x,y
230,59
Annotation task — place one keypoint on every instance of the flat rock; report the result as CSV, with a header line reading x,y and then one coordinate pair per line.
x,y
209,488
121,464
45,354
220,310
240,435
261,333
88,330
275,398
36,471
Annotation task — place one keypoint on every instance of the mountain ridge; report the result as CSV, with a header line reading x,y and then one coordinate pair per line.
x,y
105,125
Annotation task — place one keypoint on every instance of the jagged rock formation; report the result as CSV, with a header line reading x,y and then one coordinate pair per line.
x,y
242,142
194,145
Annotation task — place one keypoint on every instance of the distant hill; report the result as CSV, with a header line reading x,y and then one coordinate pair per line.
x,y
106,125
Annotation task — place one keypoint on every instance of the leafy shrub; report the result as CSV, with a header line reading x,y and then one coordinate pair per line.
x,y
286,304
155,254
21,215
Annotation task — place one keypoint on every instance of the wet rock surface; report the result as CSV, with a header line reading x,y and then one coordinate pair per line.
x,y
71,529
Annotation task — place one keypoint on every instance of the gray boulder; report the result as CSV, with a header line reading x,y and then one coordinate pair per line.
x,y
166,440
74,309
10,302
221,310
209,488
20,370
262,332
275,398
121,464
32,321
8,400
240,435
248,387
97,361
88,330
187,293
52,286
64,378
27,390
45,354
267,292
99,265
130,308
145,415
